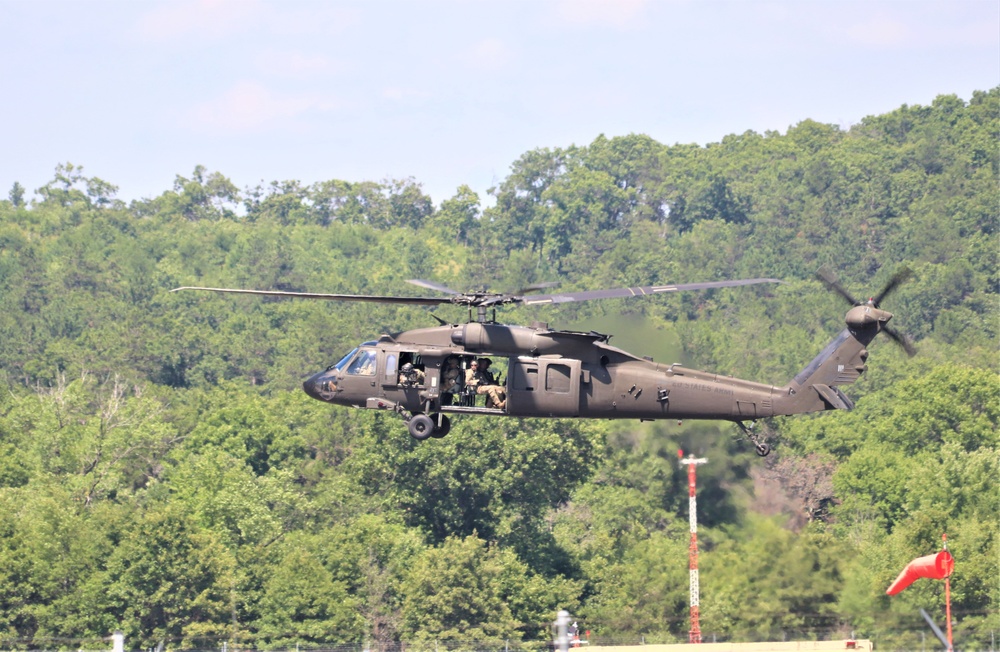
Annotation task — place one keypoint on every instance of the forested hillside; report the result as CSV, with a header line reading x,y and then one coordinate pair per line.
x,y
162,473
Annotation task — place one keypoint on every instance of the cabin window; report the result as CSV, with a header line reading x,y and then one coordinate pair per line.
x,y
390,368
524,377
557,379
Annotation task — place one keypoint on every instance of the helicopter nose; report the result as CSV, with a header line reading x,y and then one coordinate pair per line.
x,y
318,386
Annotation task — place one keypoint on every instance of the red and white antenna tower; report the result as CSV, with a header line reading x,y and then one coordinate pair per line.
x,y
694,636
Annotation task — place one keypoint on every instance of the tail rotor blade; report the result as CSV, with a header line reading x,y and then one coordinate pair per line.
x,y
901,340
828,278
901,275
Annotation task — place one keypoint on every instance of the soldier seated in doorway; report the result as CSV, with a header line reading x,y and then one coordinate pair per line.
x,y
410,376
471,379
450,376
486,384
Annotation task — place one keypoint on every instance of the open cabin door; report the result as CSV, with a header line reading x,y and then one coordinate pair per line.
x,y
543,387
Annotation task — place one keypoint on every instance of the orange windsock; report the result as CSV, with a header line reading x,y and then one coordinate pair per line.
x,y
933,567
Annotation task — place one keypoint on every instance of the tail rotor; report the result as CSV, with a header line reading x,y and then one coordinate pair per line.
x,y
903,274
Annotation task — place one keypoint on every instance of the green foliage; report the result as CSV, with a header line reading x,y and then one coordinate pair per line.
x,y
645,591
492,482
161,471
304,602
169,579
762,580
466,590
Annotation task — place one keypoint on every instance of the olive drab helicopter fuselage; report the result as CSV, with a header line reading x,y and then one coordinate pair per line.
x,y
422,374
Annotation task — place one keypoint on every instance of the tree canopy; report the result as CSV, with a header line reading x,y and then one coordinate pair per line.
x,y
161,472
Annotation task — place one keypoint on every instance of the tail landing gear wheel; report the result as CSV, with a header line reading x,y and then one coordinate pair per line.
x,y
443,429
421,427
762,447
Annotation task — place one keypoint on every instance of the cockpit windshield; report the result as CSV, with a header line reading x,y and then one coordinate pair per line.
x,y
343,361
363,364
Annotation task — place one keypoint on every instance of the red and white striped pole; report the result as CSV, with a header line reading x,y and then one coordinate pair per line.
x,y
947,593
694,636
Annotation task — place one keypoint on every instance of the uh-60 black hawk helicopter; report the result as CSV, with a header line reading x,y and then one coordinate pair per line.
x,y
426,374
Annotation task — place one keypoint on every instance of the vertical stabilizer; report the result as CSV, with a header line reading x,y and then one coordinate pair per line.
x,y
815,388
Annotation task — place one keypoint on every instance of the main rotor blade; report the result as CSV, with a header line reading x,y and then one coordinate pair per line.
x,y
419,301
901,340
431,285
535,287
569,297
828,278
487,299
902,274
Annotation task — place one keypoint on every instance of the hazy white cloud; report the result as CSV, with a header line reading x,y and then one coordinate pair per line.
x,y
295,64
601,13
250,106
298,19
402,94
205,18
901,28
489,54
880,30
217,19
390,85
969,33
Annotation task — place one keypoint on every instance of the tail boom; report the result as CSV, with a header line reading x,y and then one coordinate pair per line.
x,y
815,388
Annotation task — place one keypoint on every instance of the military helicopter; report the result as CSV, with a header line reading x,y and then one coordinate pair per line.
x,y
427,374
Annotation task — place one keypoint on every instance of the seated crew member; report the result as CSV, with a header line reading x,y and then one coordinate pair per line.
x,y
487,384
471,380
363,365
450,375
410,376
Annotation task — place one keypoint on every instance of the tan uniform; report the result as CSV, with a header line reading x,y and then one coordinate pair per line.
x,y
471,380
494,396
486,384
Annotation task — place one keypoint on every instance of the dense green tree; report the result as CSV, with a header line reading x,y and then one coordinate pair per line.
x,y
494,483
762,580
457,218
205,196
16,195
466,590
99,439
170,580
52,557
162,472
304,602
644,595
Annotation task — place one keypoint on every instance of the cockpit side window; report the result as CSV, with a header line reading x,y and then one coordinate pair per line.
x,y
390,367
363,364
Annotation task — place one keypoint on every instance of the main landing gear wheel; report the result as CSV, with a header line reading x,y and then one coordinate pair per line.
x,y
421,427
443,429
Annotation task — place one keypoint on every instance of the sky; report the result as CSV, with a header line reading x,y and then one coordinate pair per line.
x,y
447,92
